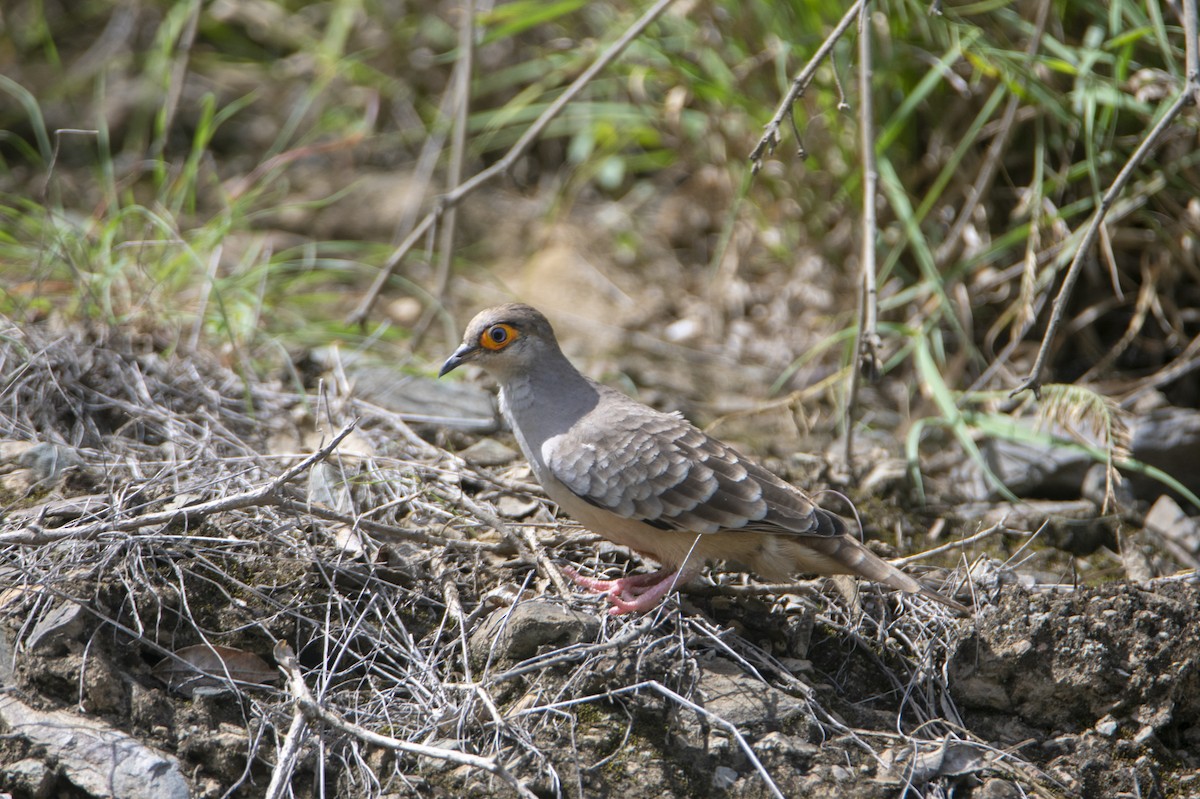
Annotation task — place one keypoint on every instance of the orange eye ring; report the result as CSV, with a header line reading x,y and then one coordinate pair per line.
x,y
498,336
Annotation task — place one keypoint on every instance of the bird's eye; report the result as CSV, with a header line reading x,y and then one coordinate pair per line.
x,y
498,336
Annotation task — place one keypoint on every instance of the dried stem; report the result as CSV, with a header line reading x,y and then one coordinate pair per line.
x,y
463,72
1034,381
453,198
314,712
866,337
268,494
771,138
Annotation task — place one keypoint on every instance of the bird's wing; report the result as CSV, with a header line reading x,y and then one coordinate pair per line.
x,y
659,469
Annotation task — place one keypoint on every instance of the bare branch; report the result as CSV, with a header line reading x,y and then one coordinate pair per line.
x,y
1034,381
463,72
866,338
766,145
266,494
314,712
453,198
1191,44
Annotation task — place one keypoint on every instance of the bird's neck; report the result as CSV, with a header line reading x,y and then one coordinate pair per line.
x,y
546,401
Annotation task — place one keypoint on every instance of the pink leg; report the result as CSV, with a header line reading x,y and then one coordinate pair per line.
x,y
639,592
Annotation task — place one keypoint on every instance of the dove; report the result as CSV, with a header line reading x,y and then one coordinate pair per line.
x,y
652,481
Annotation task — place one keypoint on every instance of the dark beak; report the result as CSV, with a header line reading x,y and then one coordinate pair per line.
x,y
460,356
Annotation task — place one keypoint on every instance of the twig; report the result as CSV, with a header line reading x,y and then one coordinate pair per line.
x,y
281,775
463,72
453,198
667,693
1034,381
575,655
770,139
1187,361
266,494
962,542
313,711
866,337
388,532
523,541
718,721
1191,53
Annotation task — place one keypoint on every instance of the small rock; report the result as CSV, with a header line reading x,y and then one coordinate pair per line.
x,y
1062,745
489,452
1107,726
511,507
1145,735
788,748
1040,470
98,759
1168,520
30,777
1095,487
520,632
1167,438
998,789
58,627
682,330
796,665
49,461
922,763
404,311
724,778
445,403
728,692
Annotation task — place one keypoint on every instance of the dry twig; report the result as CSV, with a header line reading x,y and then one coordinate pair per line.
x,y
463,190
771,138
314,712
1189,95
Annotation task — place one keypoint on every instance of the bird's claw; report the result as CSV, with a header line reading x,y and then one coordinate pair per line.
x,y
635,593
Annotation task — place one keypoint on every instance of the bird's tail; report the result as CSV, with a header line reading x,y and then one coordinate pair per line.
x,y
838,552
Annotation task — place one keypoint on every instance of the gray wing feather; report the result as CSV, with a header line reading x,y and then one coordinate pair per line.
x,y
658,468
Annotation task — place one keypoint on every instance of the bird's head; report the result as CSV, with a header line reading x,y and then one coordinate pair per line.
x,y
506,341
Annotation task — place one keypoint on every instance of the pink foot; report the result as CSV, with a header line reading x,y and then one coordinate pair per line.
x,y
637,593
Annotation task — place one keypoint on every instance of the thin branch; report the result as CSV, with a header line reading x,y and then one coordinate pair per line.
x,y
314,712
999,527
712,718
866,338
576,654
1034,381
266,494
381,531
285,766
463,72
453,198
1186,362
766,145
524,541
1191,35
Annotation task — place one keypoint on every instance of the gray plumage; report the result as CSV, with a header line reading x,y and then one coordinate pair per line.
x,y
651,480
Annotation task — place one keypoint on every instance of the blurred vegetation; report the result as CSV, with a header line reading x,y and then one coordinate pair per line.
x,y
158,156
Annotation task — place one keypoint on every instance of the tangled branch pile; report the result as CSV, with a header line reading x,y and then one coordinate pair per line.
x,y
153,533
